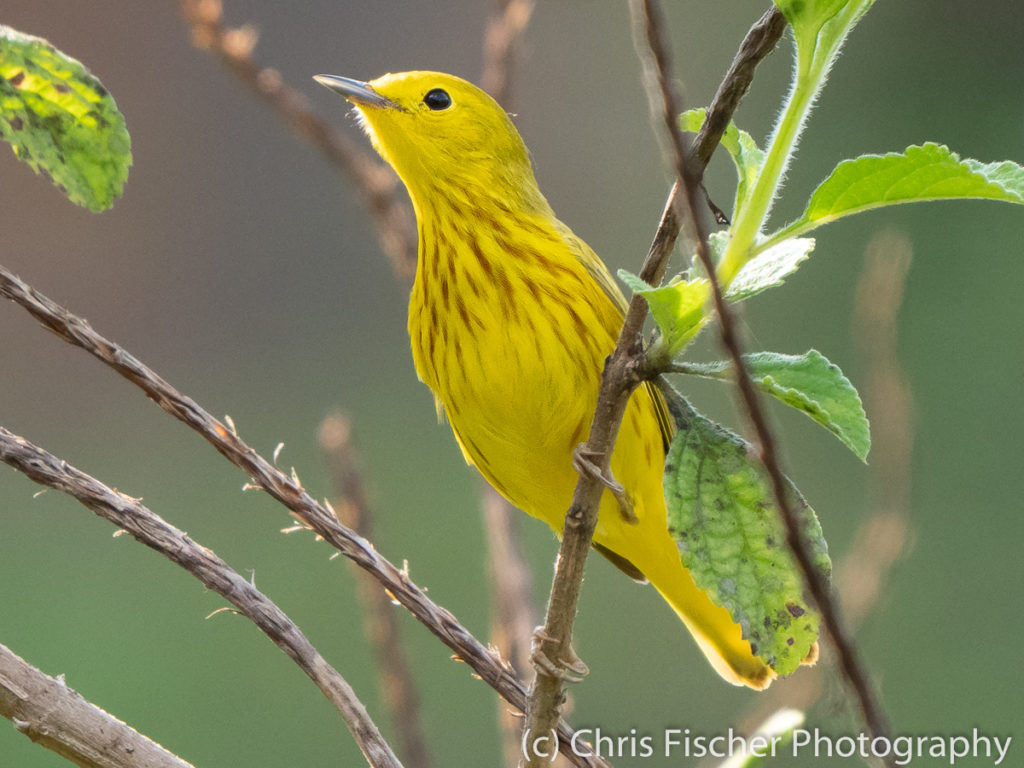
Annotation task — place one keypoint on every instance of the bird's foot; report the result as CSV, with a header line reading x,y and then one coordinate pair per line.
x,y
569,668
583,461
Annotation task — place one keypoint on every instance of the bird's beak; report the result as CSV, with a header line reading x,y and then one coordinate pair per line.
x,y
356,91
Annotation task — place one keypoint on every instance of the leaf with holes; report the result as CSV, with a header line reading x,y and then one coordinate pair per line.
x,y
60,120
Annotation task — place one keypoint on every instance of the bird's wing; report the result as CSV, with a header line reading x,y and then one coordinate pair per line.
x,y
597,270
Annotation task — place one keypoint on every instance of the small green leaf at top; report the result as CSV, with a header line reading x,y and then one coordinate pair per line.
x,y
740,145
920,173
809,383
722,516
60,120
677,307
820,25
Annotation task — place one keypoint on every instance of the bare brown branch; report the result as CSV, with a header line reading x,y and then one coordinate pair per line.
x,y
618,381
817,583
286,490
759,41
376,181
380,622
57,717
150,529
882,537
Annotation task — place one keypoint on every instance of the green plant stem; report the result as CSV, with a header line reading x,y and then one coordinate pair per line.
x,y
815,54
755,212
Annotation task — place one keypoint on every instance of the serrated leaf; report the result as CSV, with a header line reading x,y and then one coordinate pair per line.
x,y
746,155
920,173
769,268
677,307
60,120
809,383
722,515
812,384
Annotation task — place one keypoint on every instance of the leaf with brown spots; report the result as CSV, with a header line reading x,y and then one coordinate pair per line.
x,y
60,120
722,516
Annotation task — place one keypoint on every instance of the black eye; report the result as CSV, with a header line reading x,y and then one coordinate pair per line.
x,y
438,99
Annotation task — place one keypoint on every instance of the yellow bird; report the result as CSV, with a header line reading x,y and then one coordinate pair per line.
x,y
511,317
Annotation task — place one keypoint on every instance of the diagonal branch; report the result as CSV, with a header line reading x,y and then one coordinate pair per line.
x,y
882,537
618,381
149,528
376,181
759,41
817,584
57,717
286,490
380,621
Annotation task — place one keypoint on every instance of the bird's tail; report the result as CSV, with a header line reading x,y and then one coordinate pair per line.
x,y
718,636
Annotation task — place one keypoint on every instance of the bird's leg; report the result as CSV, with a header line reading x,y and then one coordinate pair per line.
x,y
569,669
583,461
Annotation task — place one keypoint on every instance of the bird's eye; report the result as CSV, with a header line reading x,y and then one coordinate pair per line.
x,y
437,99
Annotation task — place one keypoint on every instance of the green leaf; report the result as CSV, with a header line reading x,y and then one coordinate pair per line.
x,y
723,517
61,120
819,26
769,268
809,383
677,307
926,172
741,147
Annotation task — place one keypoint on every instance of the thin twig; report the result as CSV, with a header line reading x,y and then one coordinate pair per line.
x,y
553,640
380,621
512,612
149,528
816,582
618,381
376,181
501,42
286,490
882,537
887,392
57,717
759,41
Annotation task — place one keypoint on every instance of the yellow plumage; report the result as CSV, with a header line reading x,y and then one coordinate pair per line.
x,y
511,317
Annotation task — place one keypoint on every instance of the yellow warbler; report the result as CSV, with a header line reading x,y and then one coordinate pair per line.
x,y
511,317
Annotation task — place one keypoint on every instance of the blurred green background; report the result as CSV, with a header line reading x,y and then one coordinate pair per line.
x,y
243,270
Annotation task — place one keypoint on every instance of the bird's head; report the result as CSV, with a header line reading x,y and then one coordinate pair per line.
x,y
438,131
